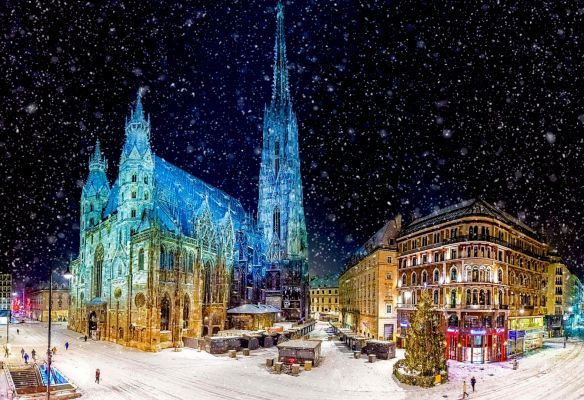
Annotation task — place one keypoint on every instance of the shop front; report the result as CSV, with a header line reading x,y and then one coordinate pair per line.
x,y
476,345
525,334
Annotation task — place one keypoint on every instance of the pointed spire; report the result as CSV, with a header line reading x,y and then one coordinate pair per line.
x,y
97,161
280,94
138,114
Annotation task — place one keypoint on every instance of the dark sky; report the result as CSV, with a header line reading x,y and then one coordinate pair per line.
x,y
403,106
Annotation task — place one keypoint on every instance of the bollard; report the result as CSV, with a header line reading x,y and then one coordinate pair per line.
x,y
295,369
307,365
232,354
372,358
246,352
278,367
357,354
269,362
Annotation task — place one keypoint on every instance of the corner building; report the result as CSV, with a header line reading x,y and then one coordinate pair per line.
x,y
164,255
368,286
487,274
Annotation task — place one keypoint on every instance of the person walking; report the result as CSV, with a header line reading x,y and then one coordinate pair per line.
x,y
33,354
22,353
464,389
66,345
54,350
25,358
473,382
6,351
85,337
97,375
17,331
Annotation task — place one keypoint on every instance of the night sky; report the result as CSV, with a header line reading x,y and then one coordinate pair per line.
x,y
403,106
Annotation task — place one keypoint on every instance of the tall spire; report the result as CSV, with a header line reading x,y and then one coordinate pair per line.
x,y
280,94
137,130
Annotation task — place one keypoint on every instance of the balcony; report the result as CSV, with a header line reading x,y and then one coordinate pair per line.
x,y
477,238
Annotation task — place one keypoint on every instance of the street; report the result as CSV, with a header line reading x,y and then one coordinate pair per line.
x,y
552,373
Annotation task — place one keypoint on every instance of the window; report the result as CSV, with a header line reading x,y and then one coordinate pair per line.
x,y
414,278
452,254
276,158
146,180
424,259
388,276
91,207
133,194
276,222
133,213
389,260
388,308
146,195
436,275
141,260
424,277
435,297
453,275
404,280
134,178
436,257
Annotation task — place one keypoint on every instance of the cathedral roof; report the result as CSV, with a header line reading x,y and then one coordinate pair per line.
x,y
180,197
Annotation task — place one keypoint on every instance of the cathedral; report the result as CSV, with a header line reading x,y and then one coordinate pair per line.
x,y
163,256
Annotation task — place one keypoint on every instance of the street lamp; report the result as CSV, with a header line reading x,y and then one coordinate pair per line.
x,y
67,275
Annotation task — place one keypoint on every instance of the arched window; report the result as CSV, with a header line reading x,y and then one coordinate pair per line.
x,y
414,278
276,158
134,178
97,271
435,297
453,298
488,297
475,297
165,313
468,296
424,277
163,258
501,299
500,275
146,196
276,221
186,307
468,251
482,298
453,274
475,274
436,276
404,282
141,260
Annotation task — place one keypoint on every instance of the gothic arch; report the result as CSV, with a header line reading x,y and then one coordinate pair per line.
x,y
98,271
165,313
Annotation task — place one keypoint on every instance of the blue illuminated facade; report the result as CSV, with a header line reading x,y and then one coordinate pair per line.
x,y
163,255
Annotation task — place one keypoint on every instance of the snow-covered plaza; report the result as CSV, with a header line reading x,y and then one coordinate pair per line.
x,y
551,373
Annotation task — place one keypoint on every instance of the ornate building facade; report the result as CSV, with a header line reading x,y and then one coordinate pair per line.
x,y
163,255
487,274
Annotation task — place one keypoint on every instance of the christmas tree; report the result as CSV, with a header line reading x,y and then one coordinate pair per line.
x,y
425,340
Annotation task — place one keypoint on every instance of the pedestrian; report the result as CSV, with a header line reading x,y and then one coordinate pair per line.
x,y
33,354
17,331
66,345
25,358
97,375
54,350
85,337
565,340
473,382
464,390
22,353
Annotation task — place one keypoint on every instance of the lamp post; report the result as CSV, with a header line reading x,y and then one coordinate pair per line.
x,y
67,275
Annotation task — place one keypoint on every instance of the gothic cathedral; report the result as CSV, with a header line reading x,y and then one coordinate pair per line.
x,y
163,255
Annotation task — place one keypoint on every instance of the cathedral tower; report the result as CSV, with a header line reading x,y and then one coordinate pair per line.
x,y
280,209
136,171
96,190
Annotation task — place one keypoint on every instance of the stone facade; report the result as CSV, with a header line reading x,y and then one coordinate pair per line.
x,y
368,286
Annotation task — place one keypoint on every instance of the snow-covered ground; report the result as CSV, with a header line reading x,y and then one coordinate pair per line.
x,y
552,373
